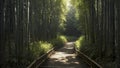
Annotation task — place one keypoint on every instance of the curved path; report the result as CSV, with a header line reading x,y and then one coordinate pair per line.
x,y
65,58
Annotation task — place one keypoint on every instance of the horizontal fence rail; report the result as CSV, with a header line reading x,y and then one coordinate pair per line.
x,y
36,63
87,59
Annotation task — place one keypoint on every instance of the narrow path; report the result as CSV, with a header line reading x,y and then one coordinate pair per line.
x,y
65,58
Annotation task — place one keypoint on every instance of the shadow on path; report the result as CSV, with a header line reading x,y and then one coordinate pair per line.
x,y
65,58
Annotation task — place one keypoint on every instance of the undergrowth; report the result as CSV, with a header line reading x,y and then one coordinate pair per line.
x,y
39,48
93,52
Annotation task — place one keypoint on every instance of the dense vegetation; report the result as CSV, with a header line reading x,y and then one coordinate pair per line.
x,y
100,28
30,28
71,24
27,30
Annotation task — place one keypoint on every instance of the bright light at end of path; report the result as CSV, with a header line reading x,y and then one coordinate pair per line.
x,y
68,4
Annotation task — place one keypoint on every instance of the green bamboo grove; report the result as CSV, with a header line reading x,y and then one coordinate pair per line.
x,y
24,22
29,28
100,26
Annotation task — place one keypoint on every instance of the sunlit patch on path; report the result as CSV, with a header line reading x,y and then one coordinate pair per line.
x,y
65,58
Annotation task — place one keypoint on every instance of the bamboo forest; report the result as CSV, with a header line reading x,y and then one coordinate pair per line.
x,y
59,34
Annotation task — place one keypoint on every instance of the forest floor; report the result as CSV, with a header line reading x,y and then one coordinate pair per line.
x,y
65,58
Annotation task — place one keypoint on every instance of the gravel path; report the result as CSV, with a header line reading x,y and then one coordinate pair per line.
x,y
65,58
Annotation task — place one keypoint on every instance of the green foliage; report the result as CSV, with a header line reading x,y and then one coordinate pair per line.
x,y
39,48
60,40
80,42
82,11
85,47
